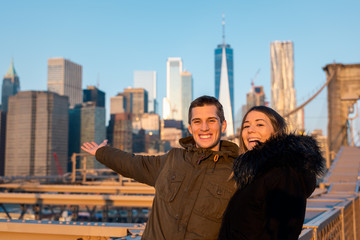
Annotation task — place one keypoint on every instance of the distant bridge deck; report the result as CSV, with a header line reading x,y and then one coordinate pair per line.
x,y
333,211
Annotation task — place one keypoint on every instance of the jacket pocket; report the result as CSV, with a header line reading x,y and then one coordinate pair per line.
x,y
213,201
168,185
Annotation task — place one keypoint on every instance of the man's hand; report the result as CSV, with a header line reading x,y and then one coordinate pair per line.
x,y
92,147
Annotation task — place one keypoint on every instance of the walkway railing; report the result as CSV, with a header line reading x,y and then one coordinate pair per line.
x,y
333,211
335,214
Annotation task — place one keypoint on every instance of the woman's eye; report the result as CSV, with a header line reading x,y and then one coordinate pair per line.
x,y
245,126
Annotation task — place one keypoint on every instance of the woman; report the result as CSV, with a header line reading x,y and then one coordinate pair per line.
x,y
275,173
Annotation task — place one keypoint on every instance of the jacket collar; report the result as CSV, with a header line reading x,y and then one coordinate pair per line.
x,y
299,152
227,148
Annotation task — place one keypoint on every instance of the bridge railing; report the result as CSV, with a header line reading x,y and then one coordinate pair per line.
x,y
335,214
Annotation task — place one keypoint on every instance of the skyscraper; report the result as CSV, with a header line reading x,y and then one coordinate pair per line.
x,y
255,97
283,94
118,104
65,78
224,81
119,131
147,80
172,104
187,96
87,123
10,86
93,94
137,100
2,141
92,128
37,122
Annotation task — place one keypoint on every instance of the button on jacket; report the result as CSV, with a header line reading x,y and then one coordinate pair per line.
x,y
193,187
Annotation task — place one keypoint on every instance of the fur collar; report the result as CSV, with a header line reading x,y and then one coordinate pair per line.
x,y
299,152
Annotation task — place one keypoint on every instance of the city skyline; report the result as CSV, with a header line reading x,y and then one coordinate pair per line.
x,y
113,39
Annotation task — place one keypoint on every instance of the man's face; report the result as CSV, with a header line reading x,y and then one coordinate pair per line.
x,y
206,128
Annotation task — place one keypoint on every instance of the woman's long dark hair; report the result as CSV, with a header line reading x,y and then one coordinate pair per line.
x,y
277,122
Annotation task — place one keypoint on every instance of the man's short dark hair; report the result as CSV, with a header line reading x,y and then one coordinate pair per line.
x,y
206,101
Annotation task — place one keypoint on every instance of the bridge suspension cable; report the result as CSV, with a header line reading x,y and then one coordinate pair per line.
x,y
311,98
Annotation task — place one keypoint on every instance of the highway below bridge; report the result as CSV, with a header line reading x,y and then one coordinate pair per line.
x,y
333,211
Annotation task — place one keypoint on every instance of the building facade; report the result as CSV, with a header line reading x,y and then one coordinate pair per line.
x,y
10,86
38,123
146,128
148,81
119,131
172,105
2,141
283,94
136,100
224,81
172,131
118,104
255,97
65,78
93,94
187,96
92,129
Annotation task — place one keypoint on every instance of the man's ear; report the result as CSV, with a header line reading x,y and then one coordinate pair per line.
x,y
190,130
223,126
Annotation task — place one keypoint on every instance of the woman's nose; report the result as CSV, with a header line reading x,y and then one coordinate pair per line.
x,y
251,129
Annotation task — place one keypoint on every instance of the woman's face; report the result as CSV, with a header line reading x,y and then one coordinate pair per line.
x,y
257,128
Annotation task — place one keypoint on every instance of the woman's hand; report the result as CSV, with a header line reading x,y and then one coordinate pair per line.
x,y
92,147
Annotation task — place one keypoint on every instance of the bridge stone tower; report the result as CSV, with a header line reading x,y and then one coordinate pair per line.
x,y
343,91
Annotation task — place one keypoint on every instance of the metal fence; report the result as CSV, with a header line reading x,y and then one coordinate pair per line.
x,y
336,213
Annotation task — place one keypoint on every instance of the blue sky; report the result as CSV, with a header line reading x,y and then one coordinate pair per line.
x,y
112,39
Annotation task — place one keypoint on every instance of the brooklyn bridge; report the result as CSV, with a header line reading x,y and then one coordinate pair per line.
x,y
102,205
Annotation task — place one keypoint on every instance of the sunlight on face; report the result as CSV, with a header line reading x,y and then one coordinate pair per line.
x,y
206,128
257,128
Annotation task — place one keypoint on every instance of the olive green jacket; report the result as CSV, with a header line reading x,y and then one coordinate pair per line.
x,y
192,187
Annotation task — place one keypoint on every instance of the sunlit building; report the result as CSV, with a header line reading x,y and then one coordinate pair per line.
x,y
118,104
172,103
283,94
255,97
147,80
37,122
147,126
65,78
172,131
187,95
93,94
136,100
119,131
2,141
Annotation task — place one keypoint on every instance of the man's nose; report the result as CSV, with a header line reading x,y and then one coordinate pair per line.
x,y
204,126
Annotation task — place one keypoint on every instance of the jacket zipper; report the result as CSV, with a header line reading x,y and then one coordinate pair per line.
x,y
201,158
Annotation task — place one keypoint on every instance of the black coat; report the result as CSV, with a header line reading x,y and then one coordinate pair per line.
x,y
274,179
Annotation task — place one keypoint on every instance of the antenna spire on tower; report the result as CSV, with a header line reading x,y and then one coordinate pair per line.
x,y
223,28
98,81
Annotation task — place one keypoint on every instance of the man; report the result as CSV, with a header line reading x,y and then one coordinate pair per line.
x,y
192,183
